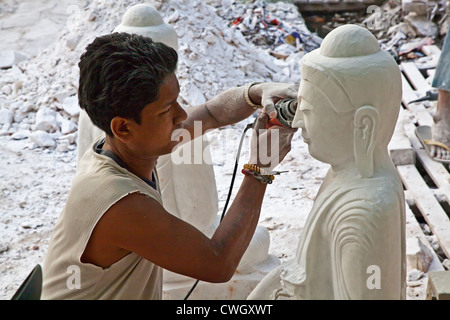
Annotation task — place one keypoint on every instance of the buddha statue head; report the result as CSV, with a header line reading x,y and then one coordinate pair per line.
x,y
145,20
349,99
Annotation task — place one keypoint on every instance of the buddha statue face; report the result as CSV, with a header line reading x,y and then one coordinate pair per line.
x,y
329,135
349,99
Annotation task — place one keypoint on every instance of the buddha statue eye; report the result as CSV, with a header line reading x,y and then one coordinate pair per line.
x,y
306,111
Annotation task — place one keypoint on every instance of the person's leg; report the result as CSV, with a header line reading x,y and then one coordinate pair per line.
x,y
441,81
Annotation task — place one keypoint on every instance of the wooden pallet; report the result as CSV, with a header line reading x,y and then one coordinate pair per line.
x,y
413,230
332,6
427,182
414,86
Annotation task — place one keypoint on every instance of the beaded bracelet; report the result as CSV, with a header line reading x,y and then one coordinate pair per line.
x,y
259,173
257,169
259,177
247,96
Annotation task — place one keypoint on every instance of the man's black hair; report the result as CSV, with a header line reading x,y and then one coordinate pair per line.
x,y
120,74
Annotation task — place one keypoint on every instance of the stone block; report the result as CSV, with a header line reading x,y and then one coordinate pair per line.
x,y
42,139
417,6
418,255
46,120
9,58
422,25
6,116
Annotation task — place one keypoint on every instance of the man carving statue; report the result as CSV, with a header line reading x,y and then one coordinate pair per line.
x,y
188,189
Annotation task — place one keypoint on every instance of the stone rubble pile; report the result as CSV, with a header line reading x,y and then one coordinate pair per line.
x,y
215,56
402,27
277,27
38,96
38,102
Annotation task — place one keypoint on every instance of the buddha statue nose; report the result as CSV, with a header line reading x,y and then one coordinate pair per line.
x,y
298,122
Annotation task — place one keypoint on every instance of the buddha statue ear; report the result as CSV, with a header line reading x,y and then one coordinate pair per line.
x,y
366,127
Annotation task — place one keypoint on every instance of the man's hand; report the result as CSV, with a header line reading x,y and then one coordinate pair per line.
x,y
272,92
230,106
269,146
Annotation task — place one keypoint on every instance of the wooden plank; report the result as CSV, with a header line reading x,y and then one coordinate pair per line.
x,y
431,72
439,285
408,92
413,230
399,147
431,49
416,78
436,170
422,115
434,215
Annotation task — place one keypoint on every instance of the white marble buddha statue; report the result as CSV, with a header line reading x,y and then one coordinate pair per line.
x,y
353,242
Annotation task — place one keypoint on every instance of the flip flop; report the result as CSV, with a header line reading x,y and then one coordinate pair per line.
x,y
424,135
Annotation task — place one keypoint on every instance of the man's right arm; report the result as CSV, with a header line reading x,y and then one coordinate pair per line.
x,y
140,224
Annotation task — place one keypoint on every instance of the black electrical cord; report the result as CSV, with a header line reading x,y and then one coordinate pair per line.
x,y
250,125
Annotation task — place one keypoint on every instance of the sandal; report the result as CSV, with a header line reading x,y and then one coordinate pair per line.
x,y
424,135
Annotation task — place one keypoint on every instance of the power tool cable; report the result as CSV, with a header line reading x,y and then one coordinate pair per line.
x,y
236,164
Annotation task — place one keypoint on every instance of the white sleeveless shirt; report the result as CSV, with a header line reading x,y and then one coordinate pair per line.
x,y
100,182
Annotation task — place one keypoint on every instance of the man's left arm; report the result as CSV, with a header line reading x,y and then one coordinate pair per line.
x,y
231,106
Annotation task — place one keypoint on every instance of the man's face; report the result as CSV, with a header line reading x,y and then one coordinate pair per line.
x,y
159,119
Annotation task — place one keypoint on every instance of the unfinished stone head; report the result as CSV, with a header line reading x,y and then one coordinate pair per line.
x,y
145,20
353,242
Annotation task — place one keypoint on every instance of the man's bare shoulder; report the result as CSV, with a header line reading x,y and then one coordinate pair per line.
x,y
118,223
